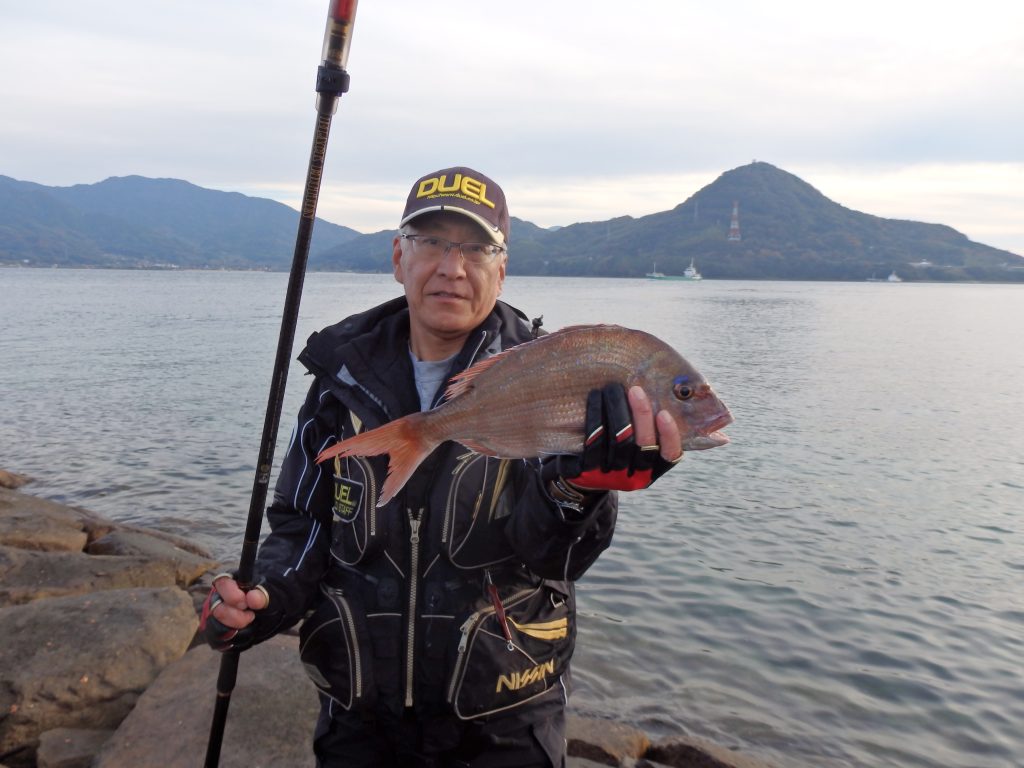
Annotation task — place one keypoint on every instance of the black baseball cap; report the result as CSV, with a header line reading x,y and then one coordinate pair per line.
x,y
461,190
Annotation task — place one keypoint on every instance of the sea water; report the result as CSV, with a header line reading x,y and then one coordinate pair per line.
x,y
841,585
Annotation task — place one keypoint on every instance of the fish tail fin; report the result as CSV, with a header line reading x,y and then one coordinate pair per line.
x,y
404,440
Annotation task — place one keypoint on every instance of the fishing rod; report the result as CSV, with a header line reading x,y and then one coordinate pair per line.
x,y
332,81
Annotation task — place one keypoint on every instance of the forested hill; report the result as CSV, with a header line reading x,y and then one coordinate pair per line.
x,y
134,221
787,230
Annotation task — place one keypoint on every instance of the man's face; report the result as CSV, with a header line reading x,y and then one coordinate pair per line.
x,y
448,296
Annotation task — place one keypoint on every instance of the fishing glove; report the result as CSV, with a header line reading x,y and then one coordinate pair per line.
x,y
218,635
611,460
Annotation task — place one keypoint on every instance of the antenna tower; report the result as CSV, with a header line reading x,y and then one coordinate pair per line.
x,y
734,225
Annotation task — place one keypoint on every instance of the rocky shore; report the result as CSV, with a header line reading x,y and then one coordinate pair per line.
x,y
101,667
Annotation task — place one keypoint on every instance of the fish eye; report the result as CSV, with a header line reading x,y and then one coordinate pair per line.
x,y
682,390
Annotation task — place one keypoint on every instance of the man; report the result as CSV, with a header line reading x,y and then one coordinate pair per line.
x,y
438,628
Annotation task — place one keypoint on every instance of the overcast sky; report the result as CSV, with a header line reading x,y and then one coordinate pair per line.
x,y
581,110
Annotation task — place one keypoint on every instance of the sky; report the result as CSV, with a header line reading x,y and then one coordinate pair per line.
x,y
582,111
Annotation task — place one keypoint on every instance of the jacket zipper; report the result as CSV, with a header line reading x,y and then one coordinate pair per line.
x,y
465,462
414,541
342,602
371,503
467,629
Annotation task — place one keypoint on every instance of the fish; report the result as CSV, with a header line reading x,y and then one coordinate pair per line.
x,y
530,401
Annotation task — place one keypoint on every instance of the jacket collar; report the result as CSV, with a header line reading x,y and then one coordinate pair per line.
x,y
370,351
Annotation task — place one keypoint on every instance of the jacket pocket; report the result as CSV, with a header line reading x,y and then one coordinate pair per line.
x,y
357,530
506,657
477,505
335,650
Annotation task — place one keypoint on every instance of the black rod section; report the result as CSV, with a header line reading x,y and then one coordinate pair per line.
x,y
332,81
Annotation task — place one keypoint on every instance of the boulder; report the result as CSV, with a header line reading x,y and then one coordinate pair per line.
x,y
28,522
604,741
26,575
189,561
82,661
70,747
270,720
690,752
12,480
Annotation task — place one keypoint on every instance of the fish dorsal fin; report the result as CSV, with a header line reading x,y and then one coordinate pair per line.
x,y
461,383
582,327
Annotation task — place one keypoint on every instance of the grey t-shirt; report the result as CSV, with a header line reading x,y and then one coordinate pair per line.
x,y
429,375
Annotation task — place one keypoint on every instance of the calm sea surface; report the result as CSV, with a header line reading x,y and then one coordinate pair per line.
x,y
842,585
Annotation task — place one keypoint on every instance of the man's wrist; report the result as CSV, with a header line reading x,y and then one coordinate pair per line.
x,y
568,497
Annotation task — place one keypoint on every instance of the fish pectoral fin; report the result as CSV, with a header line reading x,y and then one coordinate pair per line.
x,y
477,447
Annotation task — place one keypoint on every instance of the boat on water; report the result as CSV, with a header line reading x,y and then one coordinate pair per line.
x,y
690,273
892,278
654,274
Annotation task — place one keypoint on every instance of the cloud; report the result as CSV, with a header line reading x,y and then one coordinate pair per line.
x,y
577,106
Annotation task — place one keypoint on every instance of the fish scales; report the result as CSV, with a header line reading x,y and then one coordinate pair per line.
x,y
533,400
530,401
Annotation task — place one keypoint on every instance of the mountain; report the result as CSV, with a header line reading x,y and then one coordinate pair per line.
x,y
134,221
787,230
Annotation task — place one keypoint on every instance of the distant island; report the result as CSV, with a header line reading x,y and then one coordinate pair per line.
x,y
753,222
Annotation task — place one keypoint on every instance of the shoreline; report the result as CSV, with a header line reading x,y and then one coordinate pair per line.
x,y
103,665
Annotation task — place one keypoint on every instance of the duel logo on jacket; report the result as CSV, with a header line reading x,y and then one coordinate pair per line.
x,y
348,496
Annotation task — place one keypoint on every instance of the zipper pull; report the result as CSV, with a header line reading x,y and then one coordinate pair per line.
x,y
464,629
499,610
414,528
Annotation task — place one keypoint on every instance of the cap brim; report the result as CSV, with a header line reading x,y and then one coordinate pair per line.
x,y
495,234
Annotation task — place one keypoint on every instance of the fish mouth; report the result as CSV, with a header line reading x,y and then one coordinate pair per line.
x,y
704,442
709,434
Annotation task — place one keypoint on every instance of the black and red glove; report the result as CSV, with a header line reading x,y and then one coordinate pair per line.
x,y
218,635
611,460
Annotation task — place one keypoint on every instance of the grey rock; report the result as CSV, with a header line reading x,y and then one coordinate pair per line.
x,y
26,576
82,661
12,480
188,561
690,752
604,741
270,720
70,747
28,522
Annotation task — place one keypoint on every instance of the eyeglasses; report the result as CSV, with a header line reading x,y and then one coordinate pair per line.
x,y
431,247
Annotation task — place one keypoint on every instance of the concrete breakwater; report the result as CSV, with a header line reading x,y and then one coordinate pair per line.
x,y
101,666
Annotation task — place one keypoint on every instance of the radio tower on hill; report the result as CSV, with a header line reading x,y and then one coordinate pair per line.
x,y
734,225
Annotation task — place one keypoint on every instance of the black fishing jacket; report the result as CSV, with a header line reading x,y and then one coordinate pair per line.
x,y
456,596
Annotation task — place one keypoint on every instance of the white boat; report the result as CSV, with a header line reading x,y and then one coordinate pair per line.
x,y
892,278
654,274
690,273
